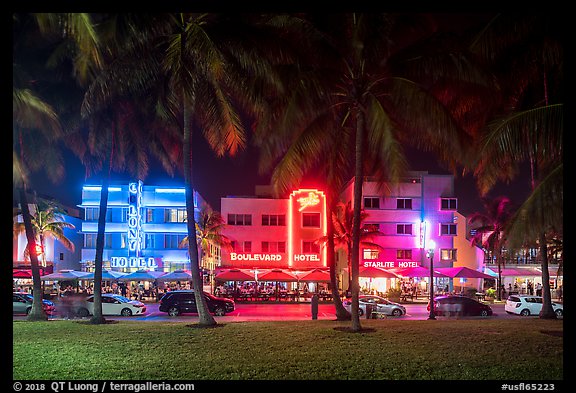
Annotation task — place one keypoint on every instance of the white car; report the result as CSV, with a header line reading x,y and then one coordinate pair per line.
x,y
112,305
383,306
529,305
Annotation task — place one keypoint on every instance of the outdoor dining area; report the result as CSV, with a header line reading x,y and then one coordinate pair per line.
x,y
276,285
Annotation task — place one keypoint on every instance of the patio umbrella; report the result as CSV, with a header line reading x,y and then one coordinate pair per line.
x,y
176,275
107,275
65,275
315,275
142,275
22,274
419,271
376,272
278,276
234,275
462,272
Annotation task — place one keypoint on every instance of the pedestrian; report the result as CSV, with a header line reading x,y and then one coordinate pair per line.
x,y
539,289
509,287
559,293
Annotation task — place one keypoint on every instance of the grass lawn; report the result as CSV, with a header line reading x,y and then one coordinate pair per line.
x,y
471,349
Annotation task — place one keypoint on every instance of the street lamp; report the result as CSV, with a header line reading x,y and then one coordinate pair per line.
x,y
430,254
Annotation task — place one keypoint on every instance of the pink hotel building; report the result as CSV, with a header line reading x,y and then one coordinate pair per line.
x,y
280,233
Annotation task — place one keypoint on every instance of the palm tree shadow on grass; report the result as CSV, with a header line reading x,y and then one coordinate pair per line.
x,y
349,329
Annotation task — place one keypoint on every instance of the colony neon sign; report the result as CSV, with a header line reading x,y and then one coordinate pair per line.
x,y
137,262
135,218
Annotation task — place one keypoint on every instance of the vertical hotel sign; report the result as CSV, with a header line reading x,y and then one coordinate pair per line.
x,y
135,234
300,202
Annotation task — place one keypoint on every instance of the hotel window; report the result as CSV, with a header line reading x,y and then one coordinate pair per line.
x,y
273,247
149,215
93,213
404,229
371,202
274,220
149,241
448,204
172,241
368,253
239,219
175,215
448,229
247,247
90,240
310,248
404,203
371,228
311,220
448,254
403,254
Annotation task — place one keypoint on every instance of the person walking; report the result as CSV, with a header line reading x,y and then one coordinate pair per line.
x,y
559,293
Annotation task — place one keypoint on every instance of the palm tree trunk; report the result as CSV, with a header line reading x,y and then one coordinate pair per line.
x,y
358,180
37,313
341,313
98,318
204,316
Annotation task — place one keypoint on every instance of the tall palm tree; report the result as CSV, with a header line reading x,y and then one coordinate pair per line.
x,y
48,222
342,220
209,227
378,83
527,55
490,230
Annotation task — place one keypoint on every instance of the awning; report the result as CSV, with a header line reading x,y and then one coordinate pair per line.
x,y
234,275
278,275
107,275
462,272
142,275
65,275
514,272
419,271
176,275
315,275
376,272
22,273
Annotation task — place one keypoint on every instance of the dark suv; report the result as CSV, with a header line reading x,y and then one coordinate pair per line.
x,y
178,302
459,305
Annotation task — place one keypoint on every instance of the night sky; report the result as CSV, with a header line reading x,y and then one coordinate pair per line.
x,y
220,177
215,178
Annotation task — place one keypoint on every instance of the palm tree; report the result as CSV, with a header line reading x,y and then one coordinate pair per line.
x,y
47,221
372,91
528,56
490,230
209,227
342,220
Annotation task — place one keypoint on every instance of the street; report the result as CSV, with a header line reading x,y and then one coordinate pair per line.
x,y
285,312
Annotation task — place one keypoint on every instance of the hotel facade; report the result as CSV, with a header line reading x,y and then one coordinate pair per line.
x,y
145,226
270,233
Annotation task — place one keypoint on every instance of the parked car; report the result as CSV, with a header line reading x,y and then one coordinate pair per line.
x,y
22,304
184,301
529,305
456,305
383,306
112,304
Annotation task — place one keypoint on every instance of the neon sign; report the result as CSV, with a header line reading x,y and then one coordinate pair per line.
x,y
306,258
137,262
390,264
255,257
135,234
310,200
